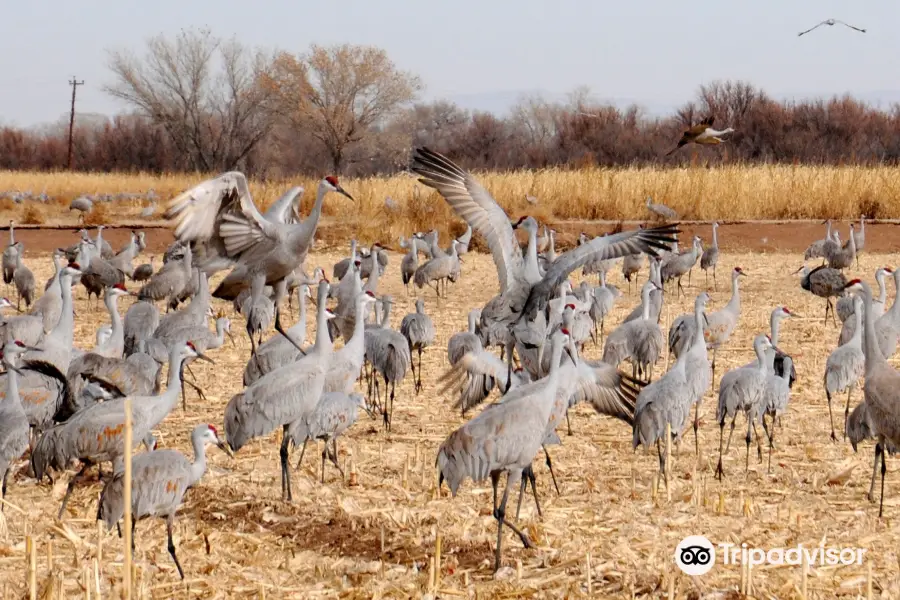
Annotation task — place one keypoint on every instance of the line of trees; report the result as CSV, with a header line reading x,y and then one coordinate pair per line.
x,y
199,102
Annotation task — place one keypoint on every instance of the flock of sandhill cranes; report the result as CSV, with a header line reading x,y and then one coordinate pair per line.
x,y
64,406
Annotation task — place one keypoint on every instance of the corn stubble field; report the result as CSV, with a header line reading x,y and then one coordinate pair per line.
x,y
373,535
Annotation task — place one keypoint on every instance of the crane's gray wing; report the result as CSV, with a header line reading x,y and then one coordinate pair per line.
x,y
281,210
472,364
197,211
849,25
609,391
811,28
600,248
476,207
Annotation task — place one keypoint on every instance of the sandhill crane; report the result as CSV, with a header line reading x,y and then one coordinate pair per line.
x,y
881,388
698,376
842,257
418,329
388,352
159,481
277,351
639,341
143,272
83,205
859,237
49,305
824,282
504,438
831,22
347,363
124,259
859,428
10,255
779,365
264,251
776,397
24,280
477,386
656,296
103,249
97,433
631,266
682,264
603,298
743,392
710,256
546,258
719,324
845,306
282,397
409,265
439,269
14,428
334,414
171,279
523,291
845,365
817,248
702,133
661,210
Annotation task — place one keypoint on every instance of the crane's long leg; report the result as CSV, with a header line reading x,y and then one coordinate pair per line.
x,y
719,472
879,452
662,463
5,475
550,466
285,472
72,482
883,472
731,433
568,423
302,452
500,515
324,454
846,413
419,373
831,417
758,440
748,439
170,522
697,428
522,490
771,434
334,456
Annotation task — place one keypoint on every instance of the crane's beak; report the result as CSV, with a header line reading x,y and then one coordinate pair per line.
x,y
33,349
231,337
342,191
224,447
572,352
540,360
798,270
202,356
16,369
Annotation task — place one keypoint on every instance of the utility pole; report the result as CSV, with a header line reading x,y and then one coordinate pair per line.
x,y
74,83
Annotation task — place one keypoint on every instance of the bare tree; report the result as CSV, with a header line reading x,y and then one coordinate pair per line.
x,y
204,91
343,96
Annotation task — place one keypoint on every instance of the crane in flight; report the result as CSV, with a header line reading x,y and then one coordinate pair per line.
x,y
830,23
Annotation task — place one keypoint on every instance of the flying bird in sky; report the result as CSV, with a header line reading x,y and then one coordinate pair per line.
x,y
831,22
702,133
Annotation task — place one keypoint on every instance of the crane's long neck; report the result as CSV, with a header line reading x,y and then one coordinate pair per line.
x,y
699,326
352,252
386,314
715,241
602,278
531,259
156,408
872,351
299,328
115,345
307,228
323,343
198,467
356,345
13,401
774,325
734,305
374,272
65,328
472,322
645,304
895,307
856,338
552,382
760,357
882,288
12,236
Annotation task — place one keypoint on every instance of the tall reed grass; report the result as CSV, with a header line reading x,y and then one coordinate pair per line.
x,y
730,192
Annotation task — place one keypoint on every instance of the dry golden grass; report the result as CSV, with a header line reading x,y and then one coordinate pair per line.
x,y
731,192
327,544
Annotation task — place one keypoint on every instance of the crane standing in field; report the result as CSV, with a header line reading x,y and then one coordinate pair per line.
x,y
14,428
710,256
159,481
334,414
661,210
418,329
24,280
264,250
97,433
824,282
504,437
845,365
639,341
10,256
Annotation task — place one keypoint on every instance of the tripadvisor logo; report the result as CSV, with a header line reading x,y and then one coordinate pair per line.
x,y
696,555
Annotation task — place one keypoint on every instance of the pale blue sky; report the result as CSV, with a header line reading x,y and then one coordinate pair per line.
x,y
654,51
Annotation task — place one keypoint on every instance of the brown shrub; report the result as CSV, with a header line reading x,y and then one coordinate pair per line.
x,y
33,215
99,215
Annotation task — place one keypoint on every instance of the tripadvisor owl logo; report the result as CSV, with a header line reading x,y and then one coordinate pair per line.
x,y
695,555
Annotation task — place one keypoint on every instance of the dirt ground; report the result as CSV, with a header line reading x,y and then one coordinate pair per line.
x,y
375,538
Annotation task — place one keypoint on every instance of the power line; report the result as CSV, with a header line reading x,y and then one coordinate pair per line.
x,y
74,83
